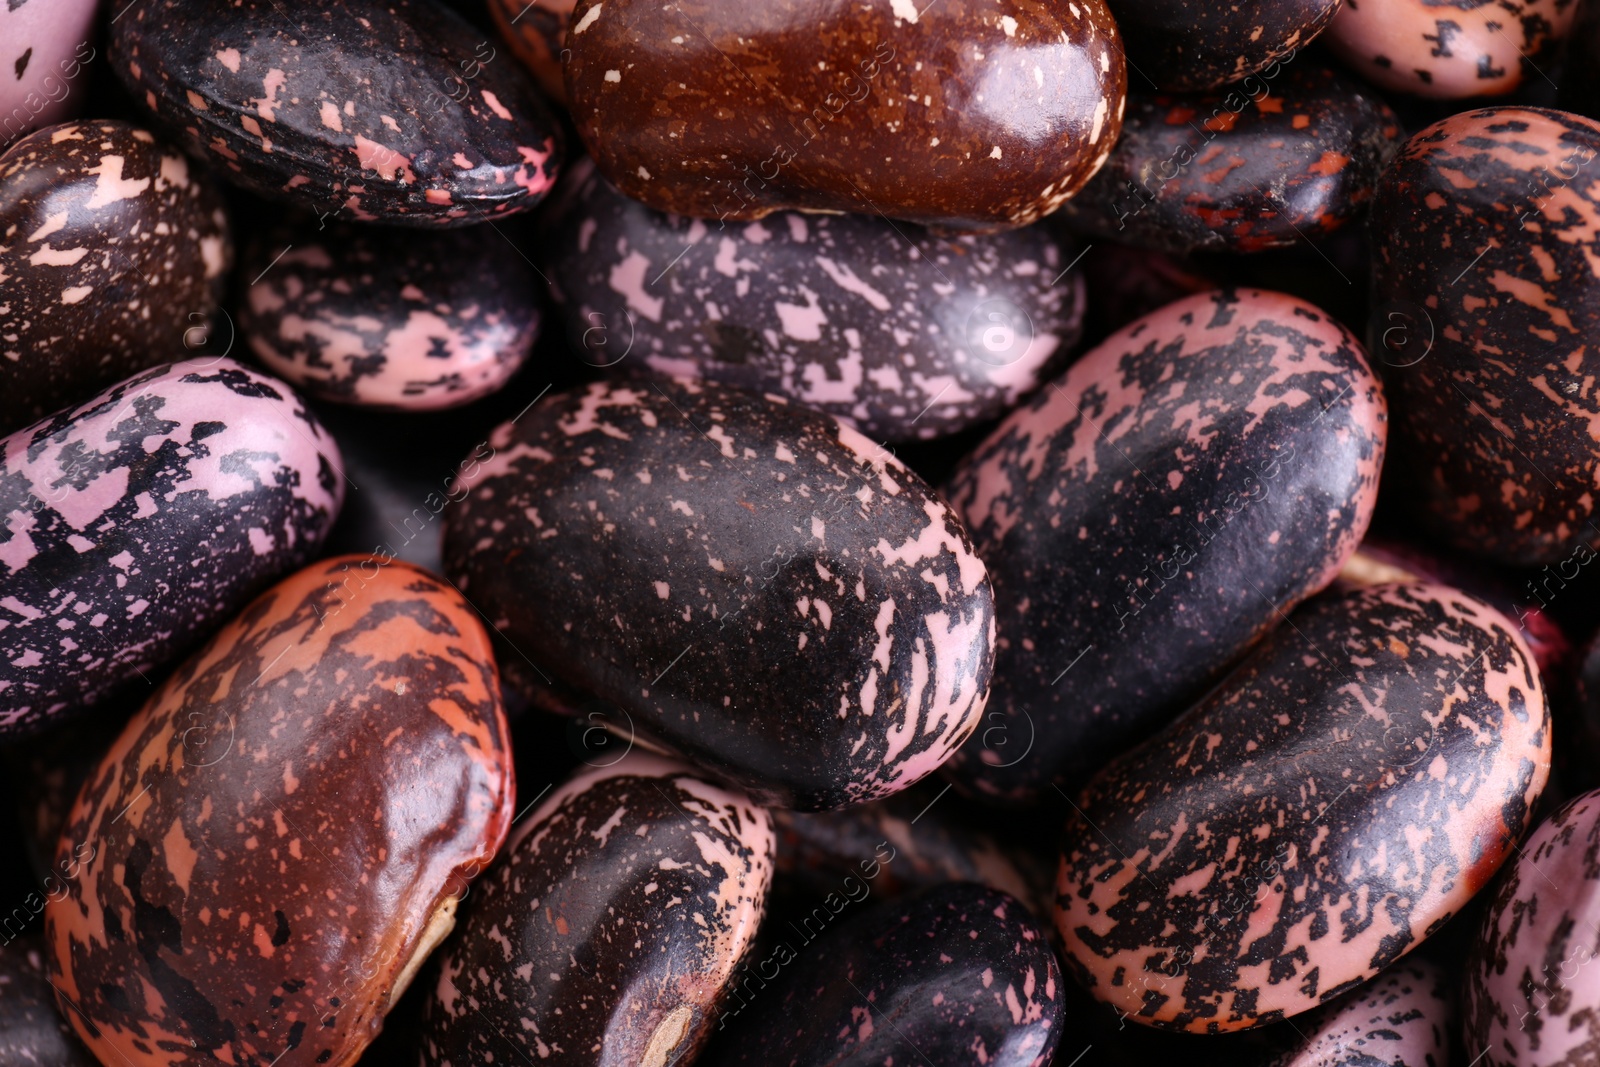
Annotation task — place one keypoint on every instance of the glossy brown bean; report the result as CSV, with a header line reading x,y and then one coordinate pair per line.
x,y
959,114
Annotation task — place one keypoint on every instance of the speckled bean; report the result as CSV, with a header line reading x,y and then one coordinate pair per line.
x,y
285,828
904,334
1532,992
140,519
749,583
389,318
963,115
396,113
114,252
1151,514
1486,229
1333,802
959,975
606,933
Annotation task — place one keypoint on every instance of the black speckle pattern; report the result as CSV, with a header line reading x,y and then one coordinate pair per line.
x,y
1486,232
395,112
959,976
1455,49
1329,805
1402,1018
139,520
1149,515
114,252
1261,165
1532,994
386,317
752,584
608,928
905,334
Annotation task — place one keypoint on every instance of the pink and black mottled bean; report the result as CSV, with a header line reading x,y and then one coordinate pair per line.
x,y
44,47
966,115
1151,514
1402,1018
140,519
1264,164
750,583
1192,46
957,975
607,931
1532,993
1333,802
32,1032
904,334
386,317
399,113
1380,560
1450,51
113,258
283,832
1486,229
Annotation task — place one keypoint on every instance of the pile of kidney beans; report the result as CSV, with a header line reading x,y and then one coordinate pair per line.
x,y
859,533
